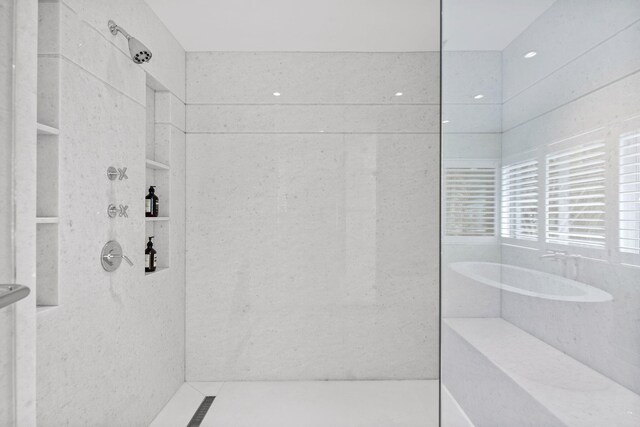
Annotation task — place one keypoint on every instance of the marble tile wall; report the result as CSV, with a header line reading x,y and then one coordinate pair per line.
x,y
312,219
338,77
167,66
7,357
25,113
585,77
472,131
7,325
115,338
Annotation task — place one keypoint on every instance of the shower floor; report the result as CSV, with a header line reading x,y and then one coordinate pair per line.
x,y
306,404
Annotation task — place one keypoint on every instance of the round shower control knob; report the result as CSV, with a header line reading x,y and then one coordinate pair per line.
x,y
112,256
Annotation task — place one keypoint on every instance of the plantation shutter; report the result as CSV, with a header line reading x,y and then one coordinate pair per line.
x,y
629,194
470,201
575,195
520,201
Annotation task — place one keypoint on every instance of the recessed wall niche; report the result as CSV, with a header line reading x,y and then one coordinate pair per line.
x,y
48,142
158,172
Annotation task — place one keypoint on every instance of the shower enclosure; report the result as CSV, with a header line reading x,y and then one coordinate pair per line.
x,y
297,237
541,213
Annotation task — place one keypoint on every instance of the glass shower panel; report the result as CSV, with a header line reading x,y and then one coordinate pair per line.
x,y
7,326
541,213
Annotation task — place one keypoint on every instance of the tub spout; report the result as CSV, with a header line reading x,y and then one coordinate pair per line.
x,y
555,255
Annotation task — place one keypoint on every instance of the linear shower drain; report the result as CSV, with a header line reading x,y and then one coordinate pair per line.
x,y
202,410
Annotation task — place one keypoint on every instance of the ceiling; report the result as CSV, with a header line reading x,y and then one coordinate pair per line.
x,y
345,25
302,25
487,24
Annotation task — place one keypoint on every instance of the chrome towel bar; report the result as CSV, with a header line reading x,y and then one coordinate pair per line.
x,y
12,293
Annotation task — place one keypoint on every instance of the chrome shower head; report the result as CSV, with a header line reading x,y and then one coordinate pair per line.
x,y
139,52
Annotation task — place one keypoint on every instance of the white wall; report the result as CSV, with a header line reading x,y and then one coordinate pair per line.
x,y
312,218
24,157
112,352
585,77
7,326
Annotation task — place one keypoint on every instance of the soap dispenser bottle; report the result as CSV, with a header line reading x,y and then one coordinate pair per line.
x,y
151,203
150,257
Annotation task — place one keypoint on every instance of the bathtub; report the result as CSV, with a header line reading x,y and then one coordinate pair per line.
x,y
528,282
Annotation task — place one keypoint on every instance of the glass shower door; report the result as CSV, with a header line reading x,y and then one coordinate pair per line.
x,y
541,213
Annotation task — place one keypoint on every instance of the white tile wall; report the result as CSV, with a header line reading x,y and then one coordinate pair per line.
x,y
311,255
25,113
7,323
6,118
312,78
168,63
115,338
7,357
467,74
81,44
313,118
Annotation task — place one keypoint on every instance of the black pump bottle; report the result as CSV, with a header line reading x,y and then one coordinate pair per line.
x,y
151,203
150,257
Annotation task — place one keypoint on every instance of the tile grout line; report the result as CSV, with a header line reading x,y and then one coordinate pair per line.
x,y
321,133
170,124
326,104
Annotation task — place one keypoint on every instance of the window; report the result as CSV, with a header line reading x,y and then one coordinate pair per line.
x,y
470,200
629,194
520,201
575,196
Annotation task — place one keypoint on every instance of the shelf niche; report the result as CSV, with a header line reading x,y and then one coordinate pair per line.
x,y
47,152
158,174
47,216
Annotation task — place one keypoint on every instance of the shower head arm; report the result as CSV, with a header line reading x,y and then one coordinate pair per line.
x,y
139,52
114,28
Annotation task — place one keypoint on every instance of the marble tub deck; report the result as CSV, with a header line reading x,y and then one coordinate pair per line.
x,y
306,404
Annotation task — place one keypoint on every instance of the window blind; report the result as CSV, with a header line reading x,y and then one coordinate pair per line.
x,y
470,201
629,194
520,201
575,196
